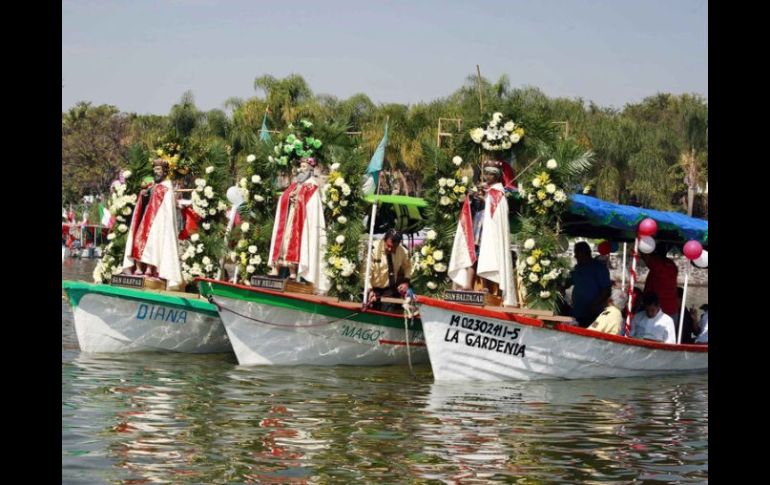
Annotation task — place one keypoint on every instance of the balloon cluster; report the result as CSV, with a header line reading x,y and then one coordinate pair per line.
x,y
693,250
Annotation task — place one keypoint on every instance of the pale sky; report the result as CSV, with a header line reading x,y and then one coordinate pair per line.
x,y
141,55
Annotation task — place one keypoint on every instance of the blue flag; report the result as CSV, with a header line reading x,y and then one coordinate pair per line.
x,y
263,134
375,165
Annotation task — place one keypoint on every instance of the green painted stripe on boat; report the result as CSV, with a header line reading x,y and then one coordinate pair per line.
x,y
76,290
281,301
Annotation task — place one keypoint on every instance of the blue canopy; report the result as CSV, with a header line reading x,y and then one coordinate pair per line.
x,y
592,217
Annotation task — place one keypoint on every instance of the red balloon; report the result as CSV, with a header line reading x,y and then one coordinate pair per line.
x,y
692,250
648,227
604,248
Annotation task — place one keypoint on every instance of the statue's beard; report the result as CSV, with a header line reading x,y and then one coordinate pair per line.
x,y
159,178
302,176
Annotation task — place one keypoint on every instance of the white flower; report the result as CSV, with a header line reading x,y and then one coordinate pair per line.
x,y
339,182
497,117
212,212
477,134
465,180
245,227
439,267
206,226
450,182
548,203
221,206
559,196
346,189
536,183
438,255
445,200
431,235
250,269
255,179
531,260
551,164
340,239
586,189
251,158
441,191
194,237
209,169
335,166
442,182
126,173
203,203
342,219
111,236
257,259
508,126
259,198
515,138
533,277
432,285
545,262
243,182
242,243
545,294
206,260
529,243
122,228
457,160
550,188
208,192
424,250
253,249
199,249
126,211
200,182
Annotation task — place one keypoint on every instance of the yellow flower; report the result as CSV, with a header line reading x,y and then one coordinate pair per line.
x,y
334,196
536,268
335,249
429,260
541,194
338,263
519,131
537,253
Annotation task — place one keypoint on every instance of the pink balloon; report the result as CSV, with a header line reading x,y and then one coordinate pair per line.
x,y
692,250
648,227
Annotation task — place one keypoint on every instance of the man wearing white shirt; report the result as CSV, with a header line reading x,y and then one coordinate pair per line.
x,y
652,323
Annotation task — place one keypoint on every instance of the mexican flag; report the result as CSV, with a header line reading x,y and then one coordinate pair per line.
x,y
105,218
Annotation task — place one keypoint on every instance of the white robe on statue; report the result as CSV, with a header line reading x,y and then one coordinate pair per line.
x,y
153,240
463,250
312,241
495,262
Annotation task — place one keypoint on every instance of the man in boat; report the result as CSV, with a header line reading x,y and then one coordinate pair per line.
x,y
662,279
611,319
151,247
390,271
494,264
591,285
653,323
299,231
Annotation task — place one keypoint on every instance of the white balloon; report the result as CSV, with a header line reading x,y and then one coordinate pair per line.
x,y
235,196
646,244
702,261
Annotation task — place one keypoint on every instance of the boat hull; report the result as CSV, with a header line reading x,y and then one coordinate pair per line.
x,y
112,319
270,328
474,344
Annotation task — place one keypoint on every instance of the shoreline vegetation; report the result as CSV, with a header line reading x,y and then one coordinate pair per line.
x,y
652,154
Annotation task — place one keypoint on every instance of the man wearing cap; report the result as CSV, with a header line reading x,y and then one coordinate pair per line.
x,y
299,231
151,247
494,262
